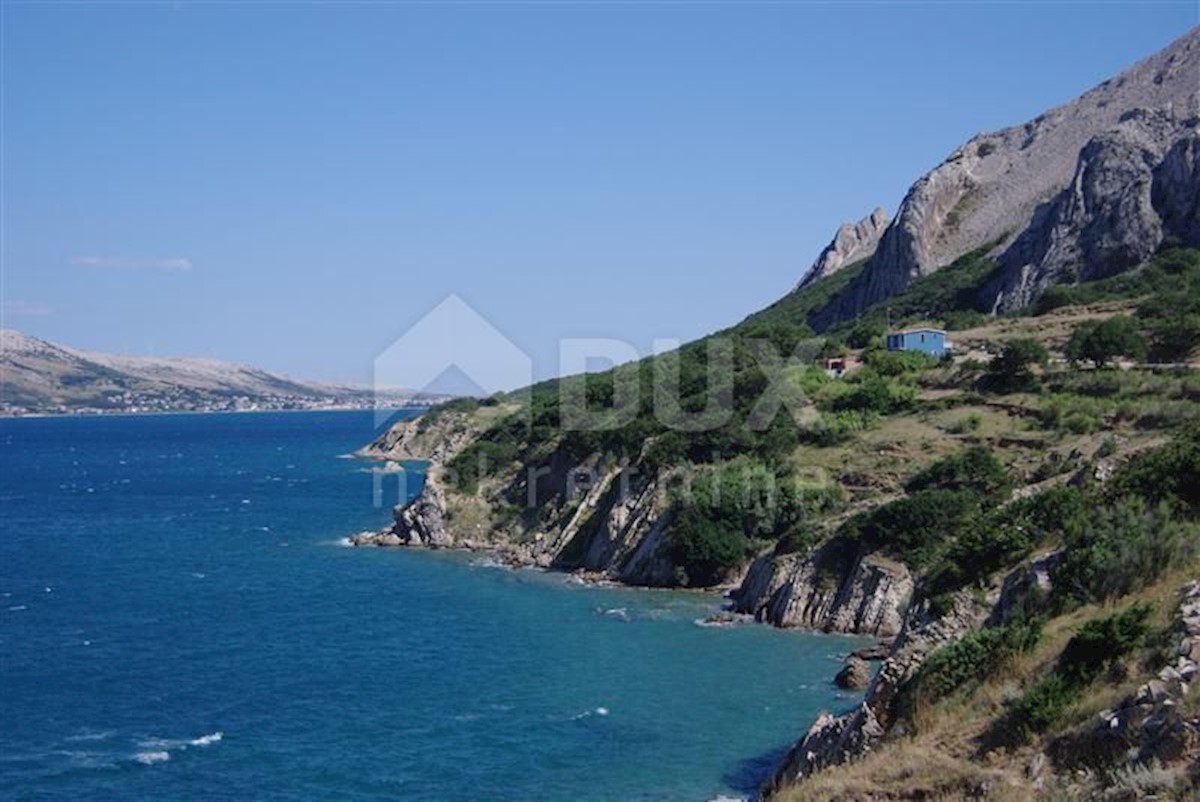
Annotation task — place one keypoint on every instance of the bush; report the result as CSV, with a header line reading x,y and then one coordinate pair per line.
x,y
897,363
1103,641
975,658
724,513
1118,548
1013,369
916,528
1101,342
975,469
1097,645
1169,474
1043,703
865,333
876,394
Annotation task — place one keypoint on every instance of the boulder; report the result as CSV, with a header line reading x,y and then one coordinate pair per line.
x,y
855,674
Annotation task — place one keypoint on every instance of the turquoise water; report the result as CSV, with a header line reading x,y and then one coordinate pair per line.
x,y
178,621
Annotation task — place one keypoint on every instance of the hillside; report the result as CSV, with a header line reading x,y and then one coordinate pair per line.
x,y
37,376
992,515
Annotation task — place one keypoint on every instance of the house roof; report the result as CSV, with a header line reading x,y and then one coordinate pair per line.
x,y
922,329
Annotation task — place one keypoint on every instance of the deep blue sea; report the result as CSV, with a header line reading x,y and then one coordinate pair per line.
x,y
178,621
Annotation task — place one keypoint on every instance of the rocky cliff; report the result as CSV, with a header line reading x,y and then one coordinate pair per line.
x,y
615,526
1091,184
852,243
833,740
827,589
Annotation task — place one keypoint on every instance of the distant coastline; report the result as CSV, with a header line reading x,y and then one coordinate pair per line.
x,y
127,413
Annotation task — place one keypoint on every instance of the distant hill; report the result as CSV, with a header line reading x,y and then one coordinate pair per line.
x,y
37,376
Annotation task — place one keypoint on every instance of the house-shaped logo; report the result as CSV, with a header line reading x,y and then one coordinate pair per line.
x,y
452,338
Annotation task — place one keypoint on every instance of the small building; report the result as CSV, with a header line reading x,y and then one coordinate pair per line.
x,y
927,341
838,366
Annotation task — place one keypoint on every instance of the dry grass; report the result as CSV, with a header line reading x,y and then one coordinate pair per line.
x,y
942,760
1052,329
910,770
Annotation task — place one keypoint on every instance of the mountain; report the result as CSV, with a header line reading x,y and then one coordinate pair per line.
x,y
37,376
1088,189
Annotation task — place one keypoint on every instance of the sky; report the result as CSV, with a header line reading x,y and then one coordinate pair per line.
x,y
297,186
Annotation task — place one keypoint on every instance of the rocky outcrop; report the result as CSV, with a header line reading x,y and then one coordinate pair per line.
x,y
840,739
419,522
1023,584
855,674
435,437
1134,186
829,589
852,243
997,185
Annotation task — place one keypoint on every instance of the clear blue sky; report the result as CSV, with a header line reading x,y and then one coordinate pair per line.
x,y
294,185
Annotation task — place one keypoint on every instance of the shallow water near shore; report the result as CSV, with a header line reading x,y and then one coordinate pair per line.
x,y
178,621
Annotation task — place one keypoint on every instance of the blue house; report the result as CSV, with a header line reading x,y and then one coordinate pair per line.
x,y
927,341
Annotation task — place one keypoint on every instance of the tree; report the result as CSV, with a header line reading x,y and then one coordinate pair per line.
x,y
1013,368
1101,342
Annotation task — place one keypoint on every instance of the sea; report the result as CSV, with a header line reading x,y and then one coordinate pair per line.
x,y
181,619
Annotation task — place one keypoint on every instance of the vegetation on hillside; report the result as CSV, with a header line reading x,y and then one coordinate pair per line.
x,y
771,410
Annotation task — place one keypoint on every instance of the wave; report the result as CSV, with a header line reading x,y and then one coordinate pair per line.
x,y
150,758
168,744
599,711
102,735
489,562
619,613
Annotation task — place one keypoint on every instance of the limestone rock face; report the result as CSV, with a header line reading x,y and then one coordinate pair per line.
x,y
997,185
827,590
420,522
1133,186
831,740
624,539
852,243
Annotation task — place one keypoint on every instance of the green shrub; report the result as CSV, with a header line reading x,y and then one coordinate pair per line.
x,y
876,394
1170,473
1098,644
897,363
916,528
838,427
1102,342
1116,548
976,657
1043,703
1103,641
1012,370
724,513
975,469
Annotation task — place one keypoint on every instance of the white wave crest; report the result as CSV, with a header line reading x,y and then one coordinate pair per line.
x,y
150,758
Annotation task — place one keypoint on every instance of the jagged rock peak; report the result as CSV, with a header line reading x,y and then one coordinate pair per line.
x,y
852,242
993,187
